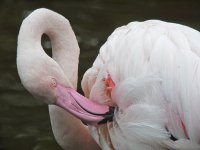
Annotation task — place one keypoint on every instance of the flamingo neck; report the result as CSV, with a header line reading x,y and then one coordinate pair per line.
x,y
35,66
65,49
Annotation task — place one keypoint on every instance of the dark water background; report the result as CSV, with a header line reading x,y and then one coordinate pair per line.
x,y
24,122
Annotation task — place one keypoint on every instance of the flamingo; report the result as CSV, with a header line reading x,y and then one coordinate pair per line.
x,y
142,91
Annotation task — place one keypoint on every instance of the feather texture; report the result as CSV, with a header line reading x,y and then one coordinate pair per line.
x,y
156,68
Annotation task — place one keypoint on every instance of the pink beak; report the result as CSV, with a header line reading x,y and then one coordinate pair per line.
x,y
86,110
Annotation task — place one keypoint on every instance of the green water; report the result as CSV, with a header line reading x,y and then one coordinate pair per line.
x,y
24,121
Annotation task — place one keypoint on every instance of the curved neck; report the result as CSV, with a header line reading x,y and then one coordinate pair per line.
x,y
65,48
33,62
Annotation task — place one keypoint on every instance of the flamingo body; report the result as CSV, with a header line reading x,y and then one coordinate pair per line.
x,y
155,68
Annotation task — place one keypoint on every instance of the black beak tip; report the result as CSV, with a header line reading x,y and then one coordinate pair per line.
x,y
108,117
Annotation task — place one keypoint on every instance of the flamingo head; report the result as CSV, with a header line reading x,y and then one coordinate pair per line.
x,y
46,81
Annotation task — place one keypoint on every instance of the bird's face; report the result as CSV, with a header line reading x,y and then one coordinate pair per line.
x,y
41,77
53,87
44,89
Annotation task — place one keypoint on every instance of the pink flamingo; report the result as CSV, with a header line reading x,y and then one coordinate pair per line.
x,y
144,84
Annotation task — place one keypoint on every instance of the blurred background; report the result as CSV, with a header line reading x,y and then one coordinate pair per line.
x,y
24,121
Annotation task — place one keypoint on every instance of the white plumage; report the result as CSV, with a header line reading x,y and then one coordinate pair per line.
x,y
150,71
156,68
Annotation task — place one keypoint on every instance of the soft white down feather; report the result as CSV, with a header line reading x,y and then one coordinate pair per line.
x,y
156,69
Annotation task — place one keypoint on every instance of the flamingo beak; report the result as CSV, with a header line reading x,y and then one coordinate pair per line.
x,y
86,110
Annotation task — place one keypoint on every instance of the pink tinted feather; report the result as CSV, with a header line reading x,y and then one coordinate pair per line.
x,y
155,67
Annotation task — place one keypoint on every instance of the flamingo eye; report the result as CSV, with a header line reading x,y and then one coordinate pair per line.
x,y
53,83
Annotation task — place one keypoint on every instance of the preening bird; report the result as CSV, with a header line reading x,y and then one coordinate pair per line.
x,y
141,93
